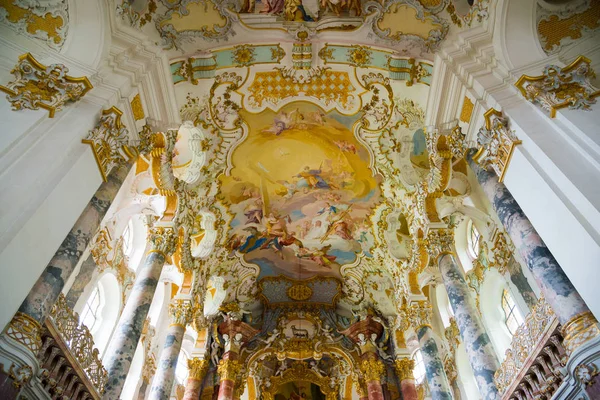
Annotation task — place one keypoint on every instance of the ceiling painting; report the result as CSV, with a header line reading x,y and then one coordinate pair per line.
x,y
407,23
301,193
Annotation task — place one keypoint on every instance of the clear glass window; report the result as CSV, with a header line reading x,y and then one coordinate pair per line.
x,y
91,311
512,317
128,239
181,369
419,371
473,241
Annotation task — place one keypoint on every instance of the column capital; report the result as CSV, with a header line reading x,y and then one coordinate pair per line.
x,y
229,369
578,330
372,369
162,240
496,143
420,314
404,368
180,311
439,242
26,331
198,368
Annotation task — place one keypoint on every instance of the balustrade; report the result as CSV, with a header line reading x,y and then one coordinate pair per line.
x,y
70,365
533,368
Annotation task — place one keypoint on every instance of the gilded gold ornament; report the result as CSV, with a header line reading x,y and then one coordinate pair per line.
x,y
38,86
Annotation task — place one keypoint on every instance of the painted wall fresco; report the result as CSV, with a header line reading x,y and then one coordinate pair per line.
x,y
301,193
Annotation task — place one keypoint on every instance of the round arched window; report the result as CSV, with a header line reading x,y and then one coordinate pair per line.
x,y
128,239
419,371
91,314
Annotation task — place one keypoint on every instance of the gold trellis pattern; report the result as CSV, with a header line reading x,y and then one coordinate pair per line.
x,y
553,30
328,86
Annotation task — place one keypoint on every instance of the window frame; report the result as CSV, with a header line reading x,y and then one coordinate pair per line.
x,y
473,242
511,312
96,312
419,368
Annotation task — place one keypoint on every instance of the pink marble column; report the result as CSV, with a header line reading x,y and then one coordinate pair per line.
x,y
193,386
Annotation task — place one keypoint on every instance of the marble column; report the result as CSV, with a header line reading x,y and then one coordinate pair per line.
x,y
124,341
479,348
236,335
48,287
162,384
434,368
404,371
229,369
579,325
197,371
23,334
365,334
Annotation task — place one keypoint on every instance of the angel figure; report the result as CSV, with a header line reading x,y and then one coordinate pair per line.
x,y
362,340
381,350
328,333
272,338
281,368
214,352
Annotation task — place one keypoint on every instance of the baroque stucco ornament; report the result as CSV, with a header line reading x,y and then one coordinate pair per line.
x,y
496,143
38,86
47,20
109,141
561,87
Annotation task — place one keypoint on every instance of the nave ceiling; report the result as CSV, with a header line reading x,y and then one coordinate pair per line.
x,y
298,164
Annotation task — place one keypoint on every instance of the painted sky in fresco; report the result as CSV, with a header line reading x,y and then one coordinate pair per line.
x,y
301,193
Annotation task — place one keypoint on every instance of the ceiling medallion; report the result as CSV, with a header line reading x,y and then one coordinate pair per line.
x,y
299,292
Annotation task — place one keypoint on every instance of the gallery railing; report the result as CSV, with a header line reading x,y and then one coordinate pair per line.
x,y
71,366
532,368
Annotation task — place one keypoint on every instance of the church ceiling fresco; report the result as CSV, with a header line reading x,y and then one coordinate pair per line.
x,y
301,193
303,172
413,27
300,185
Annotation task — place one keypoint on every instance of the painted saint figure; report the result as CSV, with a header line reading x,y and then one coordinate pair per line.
x,y
312,178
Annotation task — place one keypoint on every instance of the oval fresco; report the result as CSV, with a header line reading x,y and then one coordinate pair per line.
x,y
301,193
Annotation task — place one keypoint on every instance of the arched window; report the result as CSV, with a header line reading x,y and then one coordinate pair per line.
x,y
91,314
128,239
512,317
419,371
473,241
181,369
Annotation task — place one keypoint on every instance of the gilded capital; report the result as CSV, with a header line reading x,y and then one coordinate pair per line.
x,y
162,240
372,369
578,330
180,312
452,334
197,367
109,141
495,143
26,331
439,241
420,314
229,369
404,368
38,86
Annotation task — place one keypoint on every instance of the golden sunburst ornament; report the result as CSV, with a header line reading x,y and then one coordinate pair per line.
x,y
360,56
243,55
